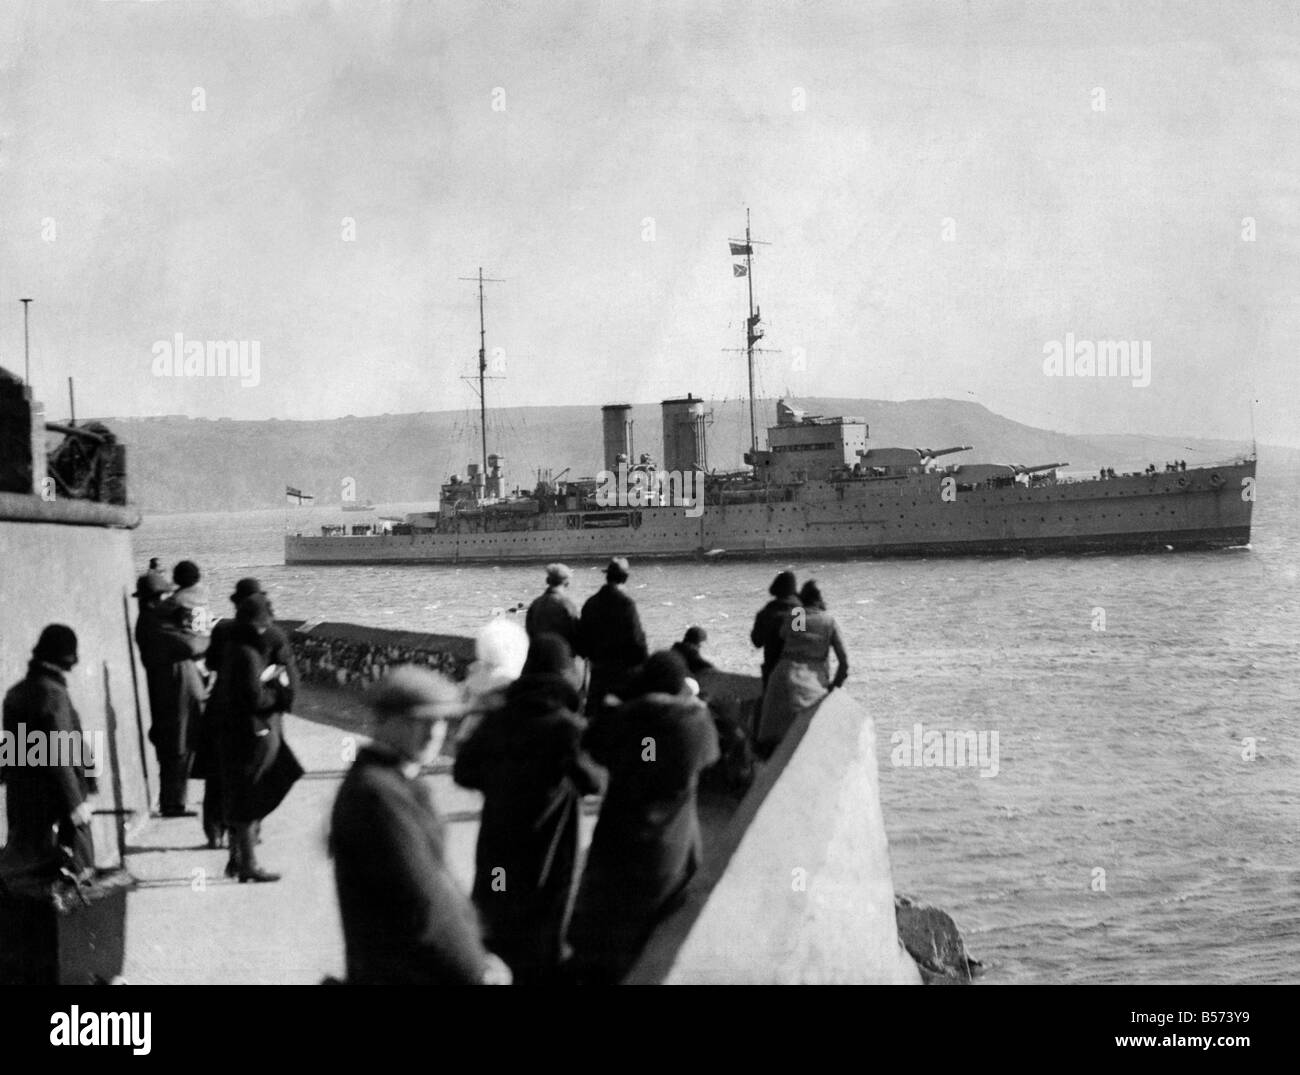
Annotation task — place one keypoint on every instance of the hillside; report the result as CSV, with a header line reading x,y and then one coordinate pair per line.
x,y
187,464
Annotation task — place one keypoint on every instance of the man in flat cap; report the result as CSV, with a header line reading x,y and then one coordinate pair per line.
x,y
46,804
405,920
610,637
554,613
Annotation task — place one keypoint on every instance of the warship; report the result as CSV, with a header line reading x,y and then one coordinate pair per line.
x,y
818,487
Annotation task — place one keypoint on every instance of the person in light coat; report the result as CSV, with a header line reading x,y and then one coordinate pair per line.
x,y
801,678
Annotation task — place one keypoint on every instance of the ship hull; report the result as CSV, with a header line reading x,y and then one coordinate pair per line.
x,y
1204,508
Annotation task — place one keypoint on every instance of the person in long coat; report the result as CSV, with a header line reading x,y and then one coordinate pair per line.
x,y
177,693
527,761
766,634
554,613
801,678
405,920
207,758
610,636
46,805
257,766
646,847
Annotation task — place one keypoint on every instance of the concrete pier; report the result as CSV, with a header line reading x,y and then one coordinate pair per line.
x,y
799,889
796,888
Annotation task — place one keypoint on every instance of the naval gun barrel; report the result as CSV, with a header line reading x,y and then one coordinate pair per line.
x,y
934,453
1041,466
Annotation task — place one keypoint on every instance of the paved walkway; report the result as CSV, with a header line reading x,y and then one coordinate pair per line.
x,y
188,924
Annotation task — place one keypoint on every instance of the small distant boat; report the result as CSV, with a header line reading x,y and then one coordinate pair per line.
x,y
354,506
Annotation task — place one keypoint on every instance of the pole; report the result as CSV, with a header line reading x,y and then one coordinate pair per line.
x,y
115,767
749,334
72,405
27,358
135,690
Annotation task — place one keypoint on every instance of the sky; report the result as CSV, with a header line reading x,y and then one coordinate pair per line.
x,y
949,190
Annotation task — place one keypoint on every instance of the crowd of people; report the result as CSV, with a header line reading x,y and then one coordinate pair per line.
x,y
646,731
338,662
571,704
217,696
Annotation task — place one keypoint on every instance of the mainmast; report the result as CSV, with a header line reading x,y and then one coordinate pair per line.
x,y
482,373
482,365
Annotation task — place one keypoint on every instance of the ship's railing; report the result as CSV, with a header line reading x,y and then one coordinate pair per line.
x,y
1160,471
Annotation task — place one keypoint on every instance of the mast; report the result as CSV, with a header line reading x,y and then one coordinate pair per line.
x,y
482,367
482,375
750,338
752,332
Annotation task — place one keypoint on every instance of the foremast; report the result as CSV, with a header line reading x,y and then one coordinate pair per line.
x,y
753,331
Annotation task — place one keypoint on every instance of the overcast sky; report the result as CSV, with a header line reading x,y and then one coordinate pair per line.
x,y
947,188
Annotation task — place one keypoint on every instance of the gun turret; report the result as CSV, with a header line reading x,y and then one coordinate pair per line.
x,y
1041,466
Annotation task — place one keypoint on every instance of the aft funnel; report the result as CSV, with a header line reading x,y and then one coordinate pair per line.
x,y
684,441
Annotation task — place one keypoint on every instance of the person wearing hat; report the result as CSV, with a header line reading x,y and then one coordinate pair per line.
x,y
224,628
176,690
646,847
158,577
689,651
257,766
766,634
554,613
207,757
150,589
187,605
405,920
525,758
47,809
610,636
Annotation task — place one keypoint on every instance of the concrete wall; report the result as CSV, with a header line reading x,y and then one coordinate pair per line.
x,y
807,894
80,575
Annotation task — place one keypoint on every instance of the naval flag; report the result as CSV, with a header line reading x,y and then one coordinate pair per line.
x,y
739,270
740,249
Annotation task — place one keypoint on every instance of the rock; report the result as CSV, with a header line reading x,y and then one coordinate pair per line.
x,y
932,940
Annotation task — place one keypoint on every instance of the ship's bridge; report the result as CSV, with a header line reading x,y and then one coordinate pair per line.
x,y
802,447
